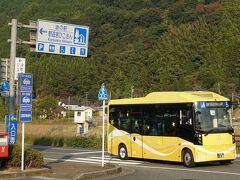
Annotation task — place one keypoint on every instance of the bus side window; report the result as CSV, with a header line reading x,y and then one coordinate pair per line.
x,y
125,125
137,126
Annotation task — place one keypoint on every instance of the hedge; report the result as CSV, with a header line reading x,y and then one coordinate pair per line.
x,y
79,141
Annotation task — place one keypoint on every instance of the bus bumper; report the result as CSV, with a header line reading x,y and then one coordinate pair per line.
x,y
215,153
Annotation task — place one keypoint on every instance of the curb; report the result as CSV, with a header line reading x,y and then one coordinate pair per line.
x,y
114,170
25,173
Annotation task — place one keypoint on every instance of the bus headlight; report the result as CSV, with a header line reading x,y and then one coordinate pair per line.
x,y
198,139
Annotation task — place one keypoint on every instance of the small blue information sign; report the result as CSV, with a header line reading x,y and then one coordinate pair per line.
x,y
12,129
26,82
25,99
25,115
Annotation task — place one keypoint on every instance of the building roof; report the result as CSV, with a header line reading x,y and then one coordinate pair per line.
x,y
81,108
172,97
71,102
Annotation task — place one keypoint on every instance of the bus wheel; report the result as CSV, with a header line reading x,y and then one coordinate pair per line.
x,y
188,160
122,152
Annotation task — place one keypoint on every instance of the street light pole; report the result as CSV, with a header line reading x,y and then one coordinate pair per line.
x,y
12,64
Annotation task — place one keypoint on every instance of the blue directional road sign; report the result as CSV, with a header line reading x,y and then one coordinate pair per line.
x,y
25,115
102,95
12,129
26,82
62,38
5,86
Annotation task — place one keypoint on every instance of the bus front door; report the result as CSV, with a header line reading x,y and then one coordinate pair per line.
x,y
137,145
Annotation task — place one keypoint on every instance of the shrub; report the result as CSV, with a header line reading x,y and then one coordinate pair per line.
x,y
14,156
49,141
80,141
33,158
84,142
44,141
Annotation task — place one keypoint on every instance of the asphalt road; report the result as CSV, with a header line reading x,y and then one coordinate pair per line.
x,y
146,169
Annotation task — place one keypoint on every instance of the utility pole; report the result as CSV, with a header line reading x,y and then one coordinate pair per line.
x,y
6,75
132,91
12,64
14,25
86,99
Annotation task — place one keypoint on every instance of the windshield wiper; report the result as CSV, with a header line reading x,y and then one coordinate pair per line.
x,y
207,132
229,130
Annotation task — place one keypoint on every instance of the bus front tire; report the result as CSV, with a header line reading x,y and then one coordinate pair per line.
x,y
122,152
188,160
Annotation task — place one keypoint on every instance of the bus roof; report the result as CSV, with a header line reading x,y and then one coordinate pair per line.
x,y
171,97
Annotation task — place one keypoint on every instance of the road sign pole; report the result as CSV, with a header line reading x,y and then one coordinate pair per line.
x,y
12,64
103,96
22,164
103,129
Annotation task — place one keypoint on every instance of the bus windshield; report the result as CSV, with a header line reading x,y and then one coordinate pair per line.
x,y
213,117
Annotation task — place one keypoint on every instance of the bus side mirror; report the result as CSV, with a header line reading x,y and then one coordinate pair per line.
x,y
198,112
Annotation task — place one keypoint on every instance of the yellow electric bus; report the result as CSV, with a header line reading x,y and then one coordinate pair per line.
x,y
189,127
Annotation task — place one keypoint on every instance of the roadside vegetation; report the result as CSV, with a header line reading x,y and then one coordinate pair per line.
x,y
134,47
79,141
33,158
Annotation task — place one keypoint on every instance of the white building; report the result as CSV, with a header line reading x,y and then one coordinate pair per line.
x,y
82,117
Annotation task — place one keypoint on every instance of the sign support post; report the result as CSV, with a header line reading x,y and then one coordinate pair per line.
x,y
22,163
103,134
103,96
12,64
25,102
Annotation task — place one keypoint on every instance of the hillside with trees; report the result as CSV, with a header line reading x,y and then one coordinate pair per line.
x,y
136,46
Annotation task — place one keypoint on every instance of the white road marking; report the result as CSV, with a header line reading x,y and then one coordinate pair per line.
x,y
114,159
71,160
190,170
96,161
88,152
109,160
77,153
45,178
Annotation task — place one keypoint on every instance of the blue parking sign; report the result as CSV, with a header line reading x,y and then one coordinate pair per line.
x,y
40,47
